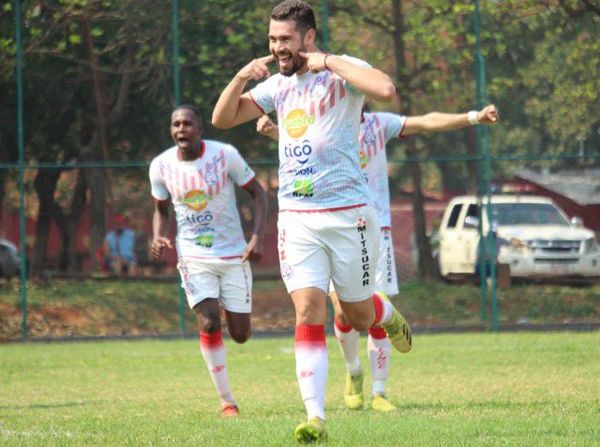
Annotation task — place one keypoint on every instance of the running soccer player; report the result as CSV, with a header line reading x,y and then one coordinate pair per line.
x,y
376,130
213,258
327,227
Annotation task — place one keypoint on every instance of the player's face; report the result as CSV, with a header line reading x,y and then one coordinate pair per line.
x,y
284,43
186,130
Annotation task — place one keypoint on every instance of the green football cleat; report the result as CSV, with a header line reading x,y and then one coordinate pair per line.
x,y
353,391
380,403
311,431
397,329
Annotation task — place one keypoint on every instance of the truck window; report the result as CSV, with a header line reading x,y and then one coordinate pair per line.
x,y
453,219
473,211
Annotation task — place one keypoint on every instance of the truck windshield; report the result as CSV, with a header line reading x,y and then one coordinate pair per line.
x,y
528,214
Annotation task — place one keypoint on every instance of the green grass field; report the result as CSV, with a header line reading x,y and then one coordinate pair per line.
x,y
472,389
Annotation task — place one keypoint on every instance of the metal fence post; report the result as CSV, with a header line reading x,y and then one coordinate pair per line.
x,y
20,138
483,147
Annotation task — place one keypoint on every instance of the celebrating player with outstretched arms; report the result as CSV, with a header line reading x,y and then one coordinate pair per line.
x,y
376,130
327,226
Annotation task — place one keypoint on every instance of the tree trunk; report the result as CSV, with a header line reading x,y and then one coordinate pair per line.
x,y
45,186
426,268
96,177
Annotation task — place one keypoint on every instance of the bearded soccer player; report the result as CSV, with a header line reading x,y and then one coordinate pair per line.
x,y
197,176
376,130
327,227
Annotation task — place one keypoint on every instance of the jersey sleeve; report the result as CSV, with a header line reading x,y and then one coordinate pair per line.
x,y
262,94
238,169
392,124
157,185
355,61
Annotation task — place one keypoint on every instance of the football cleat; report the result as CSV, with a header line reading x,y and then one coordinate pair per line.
x,y
353,391
229,410
380,403
397,329
311,431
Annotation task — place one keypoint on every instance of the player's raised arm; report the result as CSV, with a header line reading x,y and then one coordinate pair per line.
x,y
371,82
442,122
235,108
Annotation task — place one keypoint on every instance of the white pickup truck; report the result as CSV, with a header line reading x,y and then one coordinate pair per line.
x,y
536,238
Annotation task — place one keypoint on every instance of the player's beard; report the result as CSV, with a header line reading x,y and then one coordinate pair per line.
x,y
297,63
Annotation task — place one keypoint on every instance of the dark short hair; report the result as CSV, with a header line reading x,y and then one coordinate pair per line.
x,y
192,108
298,11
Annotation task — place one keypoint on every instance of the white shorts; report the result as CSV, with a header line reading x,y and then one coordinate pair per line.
x,y
228,280
340,245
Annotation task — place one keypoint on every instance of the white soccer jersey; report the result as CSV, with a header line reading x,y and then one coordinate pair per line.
x,y
376,130
318,116
203,196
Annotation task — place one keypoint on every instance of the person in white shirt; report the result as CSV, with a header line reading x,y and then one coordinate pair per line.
x,y
376,130
197,176
328,229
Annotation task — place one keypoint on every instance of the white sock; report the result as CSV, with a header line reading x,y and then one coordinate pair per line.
x,y
311,368
213,351
379,350
348,339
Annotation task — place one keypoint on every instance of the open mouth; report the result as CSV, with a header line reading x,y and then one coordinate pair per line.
x,y
284,59
182,140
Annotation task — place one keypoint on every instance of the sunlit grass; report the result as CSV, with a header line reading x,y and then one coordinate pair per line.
x,y
476,389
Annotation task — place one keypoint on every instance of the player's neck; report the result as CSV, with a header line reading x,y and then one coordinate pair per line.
x,y
192,153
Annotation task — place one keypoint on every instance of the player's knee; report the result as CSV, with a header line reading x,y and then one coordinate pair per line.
x,y
209,322
240,335
360,325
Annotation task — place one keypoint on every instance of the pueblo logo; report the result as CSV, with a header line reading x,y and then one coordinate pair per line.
x,y
196,200
296,123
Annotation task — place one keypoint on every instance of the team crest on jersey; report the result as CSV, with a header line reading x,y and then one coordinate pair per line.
x,y
210,178
296,123
196,200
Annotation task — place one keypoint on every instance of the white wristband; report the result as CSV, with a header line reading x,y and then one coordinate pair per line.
x,y
472,117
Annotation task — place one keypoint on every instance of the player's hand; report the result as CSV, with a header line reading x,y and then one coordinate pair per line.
x,y
314,61
157,246
254,249
265,126
488,115
256,69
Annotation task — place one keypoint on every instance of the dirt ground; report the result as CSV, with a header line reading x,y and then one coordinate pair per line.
x,y
272,312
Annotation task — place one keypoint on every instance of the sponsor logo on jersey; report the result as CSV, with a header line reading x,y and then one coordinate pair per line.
x,y
364,159
303,172
205,240
299,152
196,200
296,123
303,188
202,219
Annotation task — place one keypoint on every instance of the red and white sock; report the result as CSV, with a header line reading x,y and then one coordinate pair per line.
x,y
383,310
311,367
348,340
379,350
213,351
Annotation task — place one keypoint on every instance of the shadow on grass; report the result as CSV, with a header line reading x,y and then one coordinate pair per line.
x,y
45,406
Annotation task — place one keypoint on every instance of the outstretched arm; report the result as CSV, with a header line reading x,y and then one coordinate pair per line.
x,y
255,248
160,228
265,126
235,108
371,82
442,122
